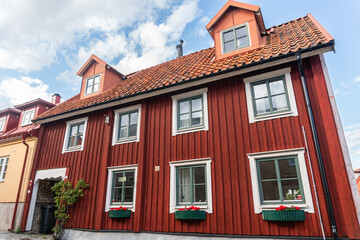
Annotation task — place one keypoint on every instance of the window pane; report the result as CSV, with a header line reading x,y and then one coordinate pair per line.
x,y
196,104
118,179
31,116
124,120
196,118
260,90
96,87
290,189
277,87
90,82
132,130
199,175
129,179
200,193
242,42
73,134
117,195
184,193
270,190
184,107
184,120
123,132
267,170
240,32
279,102
79,140
129,193
96,79
89,89
287,168
262,105
184,176
228,36
134,118
228,46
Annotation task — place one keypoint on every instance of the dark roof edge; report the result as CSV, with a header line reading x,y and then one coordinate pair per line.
x,y
280,57
32,102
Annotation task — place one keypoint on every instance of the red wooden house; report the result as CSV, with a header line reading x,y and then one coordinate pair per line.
x,y
236,130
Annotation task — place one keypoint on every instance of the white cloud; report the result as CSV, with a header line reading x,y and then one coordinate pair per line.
x,y
16,91
347,88
352,134
200,26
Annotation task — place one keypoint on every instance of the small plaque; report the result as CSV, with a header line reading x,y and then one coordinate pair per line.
x,y
157,168
122,179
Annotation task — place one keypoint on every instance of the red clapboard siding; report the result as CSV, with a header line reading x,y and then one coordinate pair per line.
x,y
229,139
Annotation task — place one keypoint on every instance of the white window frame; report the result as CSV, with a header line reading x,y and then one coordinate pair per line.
x,y
2,123
111,171
33,110
300,153
193,162
176,98
5,160
86,84
226,30
65,148
282,72
118,112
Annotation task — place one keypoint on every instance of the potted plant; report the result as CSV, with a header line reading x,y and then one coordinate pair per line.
x,y
190,213
120,212
284,213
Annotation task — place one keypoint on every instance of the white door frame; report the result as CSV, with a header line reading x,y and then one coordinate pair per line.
x,y
53,173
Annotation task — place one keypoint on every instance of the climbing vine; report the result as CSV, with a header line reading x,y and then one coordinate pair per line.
x,y
66,197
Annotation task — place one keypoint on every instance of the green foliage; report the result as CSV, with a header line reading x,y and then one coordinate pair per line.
x,y
66,197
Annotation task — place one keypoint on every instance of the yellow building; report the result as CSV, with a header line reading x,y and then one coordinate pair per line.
x,y
18,139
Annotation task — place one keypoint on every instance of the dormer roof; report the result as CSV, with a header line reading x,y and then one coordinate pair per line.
x,y
9,110
245,6
34,102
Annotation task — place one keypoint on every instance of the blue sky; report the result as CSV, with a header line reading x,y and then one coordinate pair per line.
x,y
44,43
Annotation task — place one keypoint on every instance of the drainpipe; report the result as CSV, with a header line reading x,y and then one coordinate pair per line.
x,y
317,150
24,136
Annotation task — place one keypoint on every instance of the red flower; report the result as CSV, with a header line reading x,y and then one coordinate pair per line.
x,y
297,208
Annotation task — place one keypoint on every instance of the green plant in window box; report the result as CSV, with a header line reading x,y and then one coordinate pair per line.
x,y
120,212
190,213
284,213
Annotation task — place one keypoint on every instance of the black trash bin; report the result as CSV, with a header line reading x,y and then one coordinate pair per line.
x,y
47,221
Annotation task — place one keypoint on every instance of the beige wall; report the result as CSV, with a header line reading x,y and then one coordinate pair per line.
x,y
16,152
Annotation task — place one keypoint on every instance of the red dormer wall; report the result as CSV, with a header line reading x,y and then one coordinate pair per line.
x,y
231,18
12,121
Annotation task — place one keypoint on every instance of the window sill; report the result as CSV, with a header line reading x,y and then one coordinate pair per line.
x,y
126,140
128,207
274,116
202,207
1,181
192,129
73,149
303,206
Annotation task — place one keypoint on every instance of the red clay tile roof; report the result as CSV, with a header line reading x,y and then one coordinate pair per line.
x,y
290,37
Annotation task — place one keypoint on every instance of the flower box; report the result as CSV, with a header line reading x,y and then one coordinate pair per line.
x,y
119,213
190,215
275,215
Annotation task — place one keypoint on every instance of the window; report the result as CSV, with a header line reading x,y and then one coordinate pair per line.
x,y
75,135
3,166
93,84
270,95
190,184
127,125
27,116
121,190
280,178
235,38
2,123
190,112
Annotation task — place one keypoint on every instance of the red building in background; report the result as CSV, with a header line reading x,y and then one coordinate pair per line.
x,y
236,130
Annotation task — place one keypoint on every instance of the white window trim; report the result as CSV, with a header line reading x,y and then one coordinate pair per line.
x,y
293,109
116,125
111,171
86,84
25,112
3,119
248,34
300,153
5,159
173,164
177,97
65,149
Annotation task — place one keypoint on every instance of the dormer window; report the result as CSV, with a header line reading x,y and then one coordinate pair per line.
x,y
92,84
27,116
235,38
2,123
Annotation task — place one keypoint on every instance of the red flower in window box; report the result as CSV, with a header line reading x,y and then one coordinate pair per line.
x,y
119,208
284,208
192,208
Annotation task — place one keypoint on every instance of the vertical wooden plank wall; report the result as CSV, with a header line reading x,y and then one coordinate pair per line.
x,y
229,139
